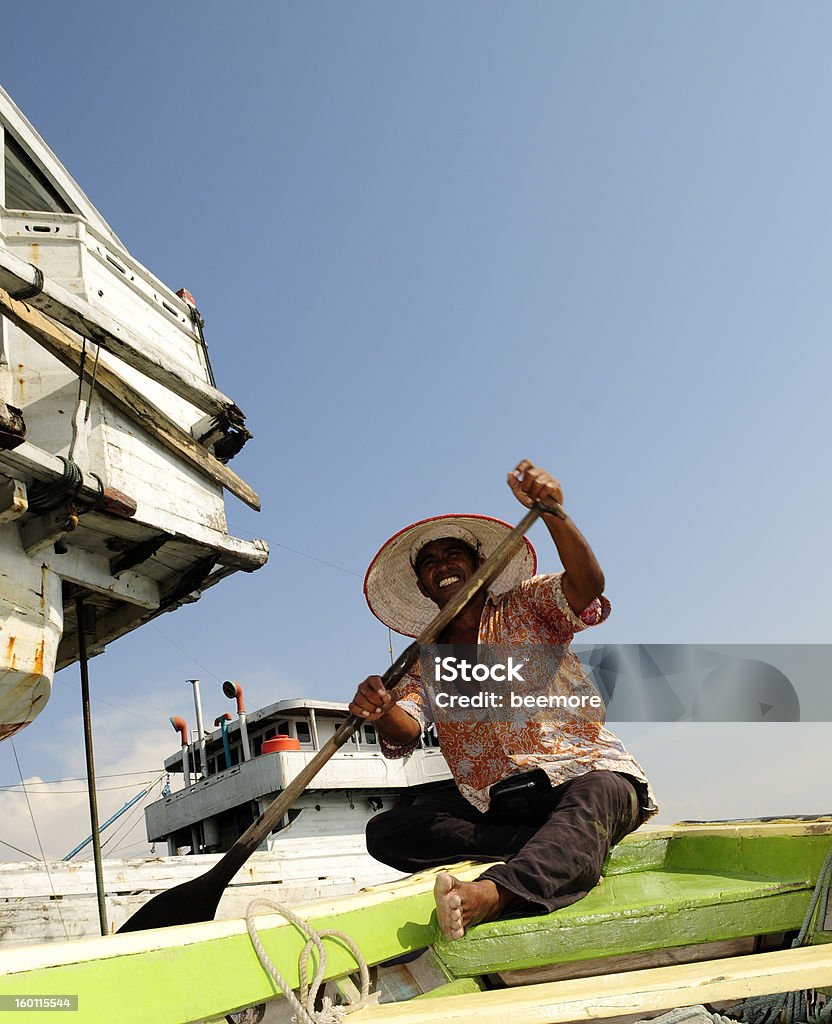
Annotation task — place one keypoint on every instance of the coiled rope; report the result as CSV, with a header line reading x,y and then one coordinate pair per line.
x,y
696,1014
304,1003
45,496
29,291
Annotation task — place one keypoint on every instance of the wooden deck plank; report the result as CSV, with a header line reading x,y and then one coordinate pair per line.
x,y
613,995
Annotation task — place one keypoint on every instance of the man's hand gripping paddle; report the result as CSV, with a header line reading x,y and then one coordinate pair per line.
x,y
197,899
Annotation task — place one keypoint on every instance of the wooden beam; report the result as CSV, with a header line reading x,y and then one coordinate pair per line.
x,y
93,571
44,531
124,619
131,403
137,554
12,426
13,500
234,552
30,461
615,995
302,860
79,315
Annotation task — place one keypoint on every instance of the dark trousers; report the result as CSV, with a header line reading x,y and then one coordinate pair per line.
x,y
553,851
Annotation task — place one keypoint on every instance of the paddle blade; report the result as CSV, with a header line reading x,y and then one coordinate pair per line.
x,y
188,903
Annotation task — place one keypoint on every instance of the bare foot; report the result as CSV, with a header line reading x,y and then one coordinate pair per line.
x,y
459,905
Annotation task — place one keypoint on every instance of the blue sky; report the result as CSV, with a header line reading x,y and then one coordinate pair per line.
x,y
432,239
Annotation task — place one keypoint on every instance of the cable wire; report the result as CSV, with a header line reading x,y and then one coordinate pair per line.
x,y
40,845
92,383
34,856
68,792
133,816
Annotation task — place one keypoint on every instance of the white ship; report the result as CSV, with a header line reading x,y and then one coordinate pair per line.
x,y
113,436
317,851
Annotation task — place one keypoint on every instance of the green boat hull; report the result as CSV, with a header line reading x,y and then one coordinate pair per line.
x,y
677,887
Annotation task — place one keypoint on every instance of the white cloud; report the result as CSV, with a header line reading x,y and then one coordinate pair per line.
x,y
737,770
61,812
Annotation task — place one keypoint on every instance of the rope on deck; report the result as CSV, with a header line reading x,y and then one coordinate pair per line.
x,y
795,1007
689,1015
304,1003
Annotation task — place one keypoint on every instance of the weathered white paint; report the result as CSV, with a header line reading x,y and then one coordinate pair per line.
x,y
31,623
4,361
28,958
33,462
78,566
130,404
304,870
29,460
13,500
92,286
70,251
22,128
296,859
76,313
336,804
44,531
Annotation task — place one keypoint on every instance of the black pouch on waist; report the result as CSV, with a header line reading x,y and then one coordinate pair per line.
x,y
519,793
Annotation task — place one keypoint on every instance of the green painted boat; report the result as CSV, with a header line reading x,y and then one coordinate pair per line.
x,y
671,900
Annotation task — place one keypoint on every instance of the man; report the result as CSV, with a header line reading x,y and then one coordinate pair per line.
x,y
549,798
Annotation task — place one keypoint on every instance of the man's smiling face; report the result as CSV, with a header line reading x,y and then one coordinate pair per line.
x,y
442,566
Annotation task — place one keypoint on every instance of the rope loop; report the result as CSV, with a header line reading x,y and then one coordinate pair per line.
x,y
304,1003
46,496
29,291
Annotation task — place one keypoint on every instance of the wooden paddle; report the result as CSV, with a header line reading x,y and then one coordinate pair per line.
x,y
197,899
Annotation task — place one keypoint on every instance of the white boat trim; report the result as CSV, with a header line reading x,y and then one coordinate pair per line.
x,y
97,325
61,179
123,396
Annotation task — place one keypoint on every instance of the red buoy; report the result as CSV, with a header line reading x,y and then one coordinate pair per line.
x,y
280,742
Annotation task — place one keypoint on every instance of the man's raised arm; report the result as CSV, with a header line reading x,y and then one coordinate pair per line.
x,y
583,579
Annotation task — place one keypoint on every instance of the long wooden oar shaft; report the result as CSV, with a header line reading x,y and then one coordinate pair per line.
x,y
173,907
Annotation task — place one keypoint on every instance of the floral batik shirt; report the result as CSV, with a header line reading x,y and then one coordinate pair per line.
x,y
481,753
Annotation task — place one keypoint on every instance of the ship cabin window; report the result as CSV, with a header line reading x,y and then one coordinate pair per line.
x,y
370,734
27,187
303,731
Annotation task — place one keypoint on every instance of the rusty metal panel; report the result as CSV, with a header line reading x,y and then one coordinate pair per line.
x,y
31,624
